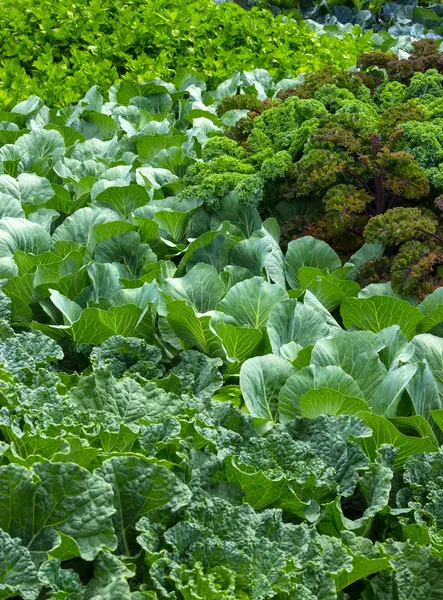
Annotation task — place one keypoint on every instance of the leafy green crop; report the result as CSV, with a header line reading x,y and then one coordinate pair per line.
x,y
186,410
317,476
388,19
59,51
347,157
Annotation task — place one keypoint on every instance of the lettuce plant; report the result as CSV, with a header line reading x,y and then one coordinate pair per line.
x,y
59,52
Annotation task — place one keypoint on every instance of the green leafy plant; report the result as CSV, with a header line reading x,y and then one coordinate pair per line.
x,y
334,156
59,52
187,409
328,466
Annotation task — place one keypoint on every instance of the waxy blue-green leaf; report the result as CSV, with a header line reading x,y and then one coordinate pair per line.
x,y
172,214
239,342
252,254
310,252
20,234
42,143
384,289
79,226
246,218
313,377
293,321
432,309
27,189
194,329
216,254
328,401
149,146
396,348
429,348
250,302
378,312
261,379
201,287
123,200
354,354
386,397
200,242
330,290
365,253
10,207
127,250
423,390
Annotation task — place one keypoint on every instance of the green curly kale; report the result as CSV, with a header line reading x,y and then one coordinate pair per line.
x,y
276,166
400,225
250,190
215,186
412,231
220,146
348,80
344,203
414,268
334,97
316,171
392,93
238,102
275,123
336,152
426,84
424,141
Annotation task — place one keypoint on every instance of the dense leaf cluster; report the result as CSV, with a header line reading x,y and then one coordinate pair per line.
x,y
414,20
158,473
349,157
59,50
187,410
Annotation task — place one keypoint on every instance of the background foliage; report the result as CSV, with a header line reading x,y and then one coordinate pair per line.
x,y
419,19
58,51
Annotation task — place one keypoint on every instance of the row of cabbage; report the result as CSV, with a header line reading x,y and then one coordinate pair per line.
x,y
187,409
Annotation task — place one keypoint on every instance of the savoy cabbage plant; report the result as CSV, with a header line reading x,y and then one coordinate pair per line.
x,y
243,468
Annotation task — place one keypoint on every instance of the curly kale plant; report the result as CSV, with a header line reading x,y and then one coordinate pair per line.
x,y
335,152
410,236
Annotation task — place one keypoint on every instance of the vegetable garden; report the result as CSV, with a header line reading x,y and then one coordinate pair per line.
x,y
221,300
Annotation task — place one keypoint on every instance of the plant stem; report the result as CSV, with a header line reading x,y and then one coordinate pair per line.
x,y
432,235
354,231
